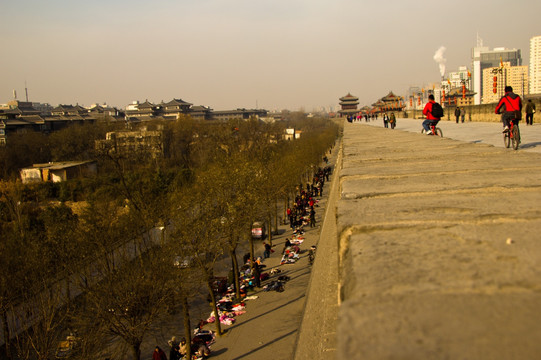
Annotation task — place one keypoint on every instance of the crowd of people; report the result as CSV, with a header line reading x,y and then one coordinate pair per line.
x,y
252,272
358,117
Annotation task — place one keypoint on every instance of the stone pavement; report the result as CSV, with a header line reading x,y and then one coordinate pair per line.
x,y
440,252
475,132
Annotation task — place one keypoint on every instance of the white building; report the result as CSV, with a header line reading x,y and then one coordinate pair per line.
x,y
483,58
477,73
535,65
457,78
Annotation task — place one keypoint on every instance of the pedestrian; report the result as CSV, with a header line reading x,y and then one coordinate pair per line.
x,y
530,110
174,353
392,120
312,218
457,114
385,120
257,274
158,354
462,114
267,251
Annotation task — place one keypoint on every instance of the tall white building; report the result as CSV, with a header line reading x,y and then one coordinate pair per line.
x,y
483,58
535,65
477,72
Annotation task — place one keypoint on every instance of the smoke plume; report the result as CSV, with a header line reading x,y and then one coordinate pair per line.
x,y
438,57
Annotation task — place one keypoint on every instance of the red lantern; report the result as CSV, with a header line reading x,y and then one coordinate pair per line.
x,y
443,96
419,101
495,85
463,91
411,101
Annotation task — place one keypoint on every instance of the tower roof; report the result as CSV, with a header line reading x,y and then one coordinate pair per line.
x,y
349,97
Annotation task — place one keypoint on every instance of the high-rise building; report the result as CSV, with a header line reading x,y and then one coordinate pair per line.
x,y
514,76
460,77
535,65
483,58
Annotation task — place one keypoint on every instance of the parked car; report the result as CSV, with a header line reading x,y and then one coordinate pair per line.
x,y
258,230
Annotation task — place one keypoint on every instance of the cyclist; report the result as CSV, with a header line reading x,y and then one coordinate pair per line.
x,y
510,106
430,119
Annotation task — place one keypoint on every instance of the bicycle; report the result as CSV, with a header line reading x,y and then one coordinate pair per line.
x,y
513,135
434,130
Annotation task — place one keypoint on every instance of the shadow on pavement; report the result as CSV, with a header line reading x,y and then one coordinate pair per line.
x,y
265,313
218,352
265,345
530,145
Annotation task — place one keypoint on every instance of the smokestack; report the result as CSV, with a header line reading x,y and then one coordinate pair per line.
x,y
14,94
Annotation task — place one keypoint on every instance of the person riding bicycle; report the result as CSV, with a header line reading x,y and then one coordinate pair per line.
x,y
430,119
510,106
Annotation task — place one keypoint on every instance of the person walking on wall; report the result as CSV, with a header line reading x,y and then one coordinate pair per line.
x,y
462,114
457,114
530,110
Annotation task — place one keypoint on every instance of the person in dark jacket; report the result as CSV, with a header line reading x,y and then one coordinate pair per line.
x,y
530,110
174,352
510,106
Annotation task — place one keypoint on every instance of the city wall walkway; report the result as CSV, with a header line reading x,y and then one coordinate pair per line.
x,y
438,247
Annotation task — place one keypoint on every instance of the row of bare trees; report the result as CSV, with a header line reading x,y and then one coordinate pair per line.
x,y
104,270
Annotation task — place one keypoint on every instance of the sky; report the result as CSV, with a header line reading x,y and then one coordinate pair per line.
x,y
228,54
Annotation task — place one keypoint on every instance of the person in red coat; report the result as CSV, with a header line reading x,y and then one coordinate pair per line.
x,y
510,106
430,119
158,354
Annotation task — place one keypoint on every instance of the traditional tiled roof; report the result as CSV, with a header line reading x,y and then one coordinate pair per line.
x,y
177,102
349,97
199,108
391,97
35,119
146,104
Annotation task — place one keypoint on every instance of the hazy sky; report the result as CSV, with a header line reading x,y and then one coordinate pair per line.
x,y
273,54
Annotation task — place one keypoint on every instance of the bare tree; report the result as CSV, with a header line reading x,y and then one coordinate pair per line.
x,y
197,233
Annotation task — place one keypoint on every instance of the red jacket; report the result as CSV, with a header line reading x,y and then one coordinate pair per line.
x,y
427,111
508,103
